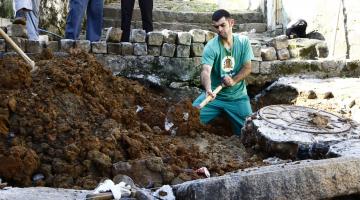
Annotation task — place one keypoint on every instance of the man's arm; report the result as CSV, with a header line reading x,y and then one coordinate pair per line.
x,y
206,80
243,73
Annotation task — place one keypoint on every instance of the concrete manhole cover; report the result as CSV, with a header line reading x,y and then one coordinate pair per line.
x,y
304,119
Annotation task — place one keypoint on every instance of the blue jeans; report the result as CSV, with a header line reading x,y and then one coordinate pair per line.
x,y
32,17
94,13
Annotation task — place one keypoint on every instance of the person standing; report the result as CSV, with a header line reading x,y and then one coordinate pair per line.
x,y
94,13
27,13
127,7
226,61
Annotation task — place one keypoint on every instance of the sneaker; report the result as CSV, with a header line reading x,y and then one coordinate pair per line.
x,y
20,17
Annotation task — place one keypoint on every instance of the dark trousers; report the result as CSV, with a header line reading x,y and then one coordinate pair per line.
x,y
127,7
94,13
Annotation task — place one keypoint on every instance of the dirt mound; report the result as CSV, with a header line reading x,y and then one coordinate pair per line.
x,y
72,123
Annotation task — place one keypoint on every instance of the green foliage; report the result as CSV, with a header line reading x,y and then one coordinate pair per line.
x,y
6,9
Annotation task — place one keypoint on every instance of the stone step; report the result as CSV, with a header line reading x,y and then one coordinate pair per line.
x,y
183,20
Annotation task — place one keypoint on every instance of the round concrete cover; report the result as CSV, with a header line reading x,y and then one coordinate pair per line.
x,y
304,119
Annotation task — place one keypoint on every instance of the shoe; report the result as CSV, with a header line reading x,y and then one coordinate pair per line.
x,y
20,17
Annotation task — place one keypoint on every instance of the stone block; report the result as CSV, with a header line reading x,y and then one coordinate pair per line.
x,y
182,51
322,50
99,47
127,48
283,54
44,40
256,50
184,38
197,49
209,35
255,67
33,46
333,65
66,44
84,45
53,46
268,53
113,35
155,38
2,45
19,41
154,50
138,36
114,48
266,67
280,42
168,50
169,36
197,35
309,179
17,30
140,49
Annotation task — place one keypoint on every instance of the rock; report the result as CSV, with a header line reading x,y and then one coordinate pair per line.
x,y
155,38
84,45
17,30
154,50
155,164
268,53
197,35
123,178
197,49
322,50
66,44
114,48
101,160
209,35
312,94
99,47
285,181
170,37
184,38
283,54
255,67
33,46
256,50
21,42
168,50
53,46
182,51
140,49
280,42
113,35
2,45
138,36
127,48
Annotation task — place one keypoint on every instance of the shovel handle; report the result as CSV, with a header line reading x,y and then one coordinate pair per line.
x,y
209,98
17,49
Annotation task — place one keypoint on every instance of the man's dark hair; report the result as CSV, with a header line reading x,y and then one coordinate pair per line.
x,y
220,14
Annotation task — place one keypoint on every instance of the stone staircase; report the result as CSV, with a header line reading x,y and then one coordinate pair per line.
x,y
185,21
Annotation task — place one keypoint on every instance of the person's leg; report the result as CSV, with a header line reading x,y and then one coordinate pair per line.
x,y
21,7
127,7
210,111
33,21
94,20
146,7
237,111
74,18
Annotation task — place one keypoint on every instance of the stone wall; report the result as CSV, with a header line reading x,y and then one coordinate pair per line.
x,y
174,58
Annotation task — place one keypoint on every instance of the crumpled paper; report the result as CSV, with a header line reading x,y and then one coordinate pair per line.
x,y
117,190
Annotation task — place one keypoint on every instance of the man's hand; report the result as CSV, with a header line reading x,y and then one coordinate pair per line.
x,y
228,81
210,93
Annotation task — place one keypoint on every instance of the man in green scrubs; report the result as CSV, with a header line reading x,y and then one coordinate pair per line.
x,y
226,61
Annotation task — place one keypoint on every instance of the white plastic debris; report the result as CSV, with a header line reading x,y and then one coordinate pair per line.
x,y
117,190
186,116
164,193
204,171
168,124
139,108
275,161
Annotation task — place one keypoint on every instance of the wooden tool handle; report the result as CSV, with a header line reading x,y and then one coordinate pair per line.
x,y
100,196
209,98
17,49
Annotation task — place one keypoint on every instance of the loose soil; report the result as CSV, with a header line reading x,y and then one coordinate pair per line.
x,y
71,122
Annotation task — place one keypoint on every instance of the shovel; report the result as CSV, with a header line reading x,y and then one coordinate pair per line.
x,y
209,98
18,50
